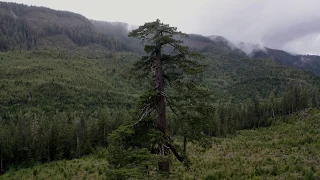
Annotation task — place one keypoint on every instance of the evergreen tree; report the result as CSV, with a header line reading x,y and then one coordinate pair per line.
x,y
166,58
194,113
167,62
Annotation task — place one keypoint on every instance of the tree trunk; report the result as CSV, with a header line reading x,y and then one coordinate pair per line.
x,y
159,82
104,136
273,115
185,145
78,147
317,102
161,110
1,166
164,165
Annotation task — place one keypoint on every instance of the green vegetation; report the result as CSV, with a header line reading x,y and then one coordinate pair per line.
x,y
69,100
32,72
305,62
237,77
60,105
287,150
90,167
169,67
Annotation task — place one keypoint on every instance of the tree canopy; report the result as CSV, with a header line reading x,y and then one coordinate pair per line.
x,y
168,66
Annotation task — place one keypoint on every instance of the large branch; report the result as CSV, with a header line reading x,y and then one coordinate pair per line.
x,y
163,94
176,154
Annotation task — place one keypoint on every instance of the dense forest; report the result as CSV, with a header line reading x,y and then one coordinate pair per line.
x,y
72,87
50,114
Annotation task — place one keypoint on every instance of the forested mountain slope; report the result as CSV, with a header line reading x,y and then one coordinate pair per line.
x,y
218,45
306,62
66,83
66,96
241,77
71,78
30,27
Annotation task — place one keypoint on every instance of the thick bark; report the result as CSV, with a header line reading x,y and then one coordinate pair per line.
x,y
164,165
273,115
185,145
317,103
159,82
78,146
176,154
1,168
104,136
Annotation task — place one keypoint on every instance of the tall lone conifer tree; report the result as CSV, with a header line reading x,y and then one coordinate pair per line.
x,y
165,62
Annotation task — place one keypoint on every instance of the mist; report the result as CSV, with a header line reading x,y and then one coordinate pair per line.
x,y
293,26
289,25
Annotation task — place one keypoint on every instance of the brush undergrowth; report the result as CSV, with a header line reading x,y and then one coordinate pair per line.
x,y
290,149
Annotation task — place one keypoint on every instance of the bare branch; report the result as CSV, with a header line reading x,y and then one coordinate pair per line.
x,y
142,110
147,112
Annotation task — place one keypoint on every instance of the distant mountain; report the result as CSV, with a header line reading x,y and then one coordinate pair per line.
x,y
222,41
30,27
305,62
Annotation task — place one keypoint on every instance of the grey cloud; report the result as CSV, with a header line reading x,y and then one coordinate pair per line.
x,y
281,37
279,24
309,44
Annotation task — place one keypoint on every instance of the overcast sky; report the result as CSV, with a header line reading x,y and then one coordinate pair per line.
x,y
291,25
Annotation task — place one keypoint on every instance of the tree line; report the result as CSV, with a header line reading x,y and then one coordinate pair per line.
x,y
31,137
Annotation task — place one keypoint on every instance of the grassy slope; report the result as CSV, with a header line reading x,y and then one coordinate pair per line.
x,y
91,167
287,150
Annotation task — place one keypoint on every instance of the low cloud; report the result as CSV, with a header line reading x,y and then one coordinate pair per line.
x,y
289,25
292,25
249,48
